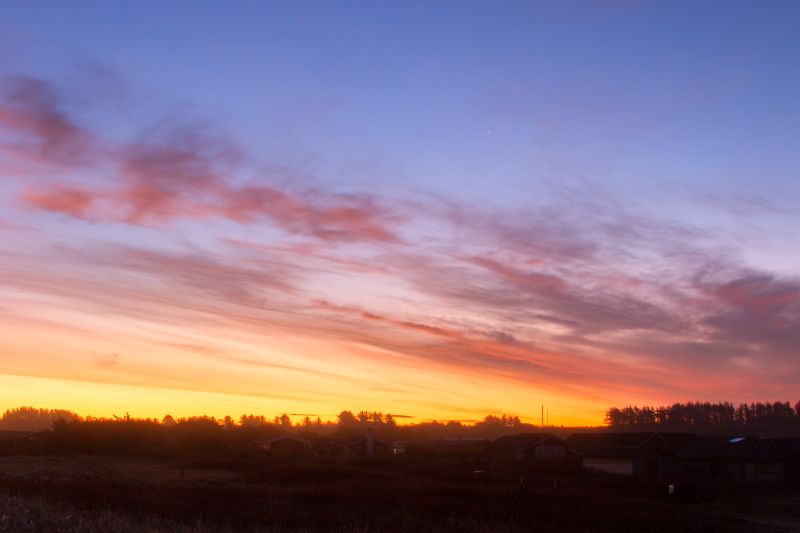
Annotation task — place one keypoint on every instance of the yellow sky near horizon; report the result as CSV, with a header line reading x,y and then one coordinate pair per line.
x,y
88,398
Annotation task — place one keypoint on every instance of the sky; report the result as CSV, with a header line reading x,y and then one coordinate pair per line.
x,y
437,210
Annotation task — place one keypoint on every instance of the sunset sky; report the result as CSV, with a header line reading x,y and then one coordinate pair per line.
x,y
433,209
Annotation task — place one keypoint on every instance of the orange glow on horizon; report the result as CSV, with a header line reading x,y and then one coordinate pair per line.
x,y
108,400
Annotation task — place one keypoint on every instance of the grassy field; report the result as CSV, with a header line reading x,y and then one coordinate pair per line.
x,y
252,493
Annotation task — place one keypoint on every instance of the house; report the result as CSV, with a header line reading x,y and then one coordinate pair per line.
x,y
455,444
400,448
366,445
629,461
530,446
584,442
284,443
632,454
742,458
454,447
350,447
10,439
11,435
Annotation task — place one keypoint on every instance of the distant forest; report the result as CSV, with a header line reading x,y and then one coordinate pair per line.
x,y
30,418
703,414
65,430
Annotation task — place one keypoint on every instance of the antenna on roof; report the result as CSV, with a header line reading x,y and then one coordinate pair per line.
x,y
543,417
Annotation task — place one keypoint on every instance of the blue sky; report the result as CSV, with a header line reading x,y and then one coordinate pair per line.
x,y
630,94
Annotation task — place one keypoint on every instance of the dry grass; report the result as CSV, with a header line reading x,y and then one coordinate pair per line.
x,y
94,493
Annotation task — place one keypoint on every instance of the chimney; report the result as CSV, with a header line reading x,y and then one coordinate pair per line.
x,y
370,442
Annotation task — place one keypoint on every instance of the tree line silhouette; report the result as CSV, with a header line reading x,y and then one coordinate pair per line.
x,y
30,418
704,414
61,430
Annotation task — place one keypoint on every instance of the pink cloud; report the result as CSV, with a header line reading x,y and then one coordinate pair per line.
x,y
70,201
327,216
174,173
37,126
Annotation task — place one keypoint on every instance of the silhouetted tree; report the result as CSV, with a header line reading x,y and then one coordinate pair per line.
x,y
30,418
703,414
346,419
254,421
283,421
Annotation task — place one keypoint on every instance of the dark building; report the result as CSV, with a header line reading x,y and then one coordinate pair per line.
x,y
12,436
441,447
530,446
633,454
284,443
743,459
10,440
349,447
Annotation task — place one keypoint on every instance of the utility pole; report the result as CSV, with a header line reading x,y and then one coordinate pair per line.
x,y
541,452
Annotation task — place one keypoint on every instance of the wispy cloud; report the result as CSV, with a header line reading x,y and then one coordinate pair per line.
x,y
171,172
38,127
579,295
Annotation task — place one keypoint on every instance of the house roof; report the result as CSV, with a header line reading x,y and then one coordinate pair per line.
x,y
511,444
7,435
455,443
586,442
328,443
321,444
280,438
768,449
622,452
612,453
740,449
